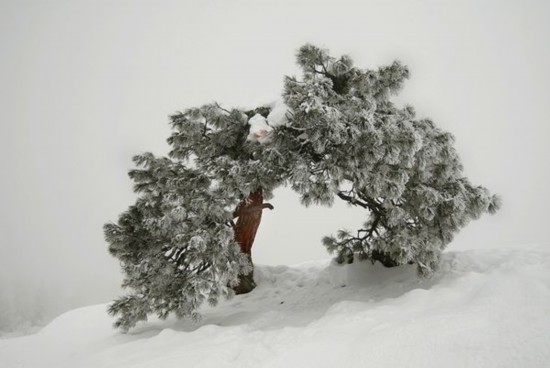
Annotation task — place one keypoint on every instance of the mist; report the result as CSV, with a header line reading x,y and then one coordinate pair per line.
x,y
88,84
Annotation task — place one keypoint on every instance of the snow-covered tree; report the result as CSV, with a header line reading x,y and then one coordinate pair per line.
x,y
179,244
335,134
352,141
175,254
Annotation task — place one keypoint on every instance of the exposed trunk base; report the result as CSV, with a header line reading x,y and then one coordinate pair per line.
x,y
246,283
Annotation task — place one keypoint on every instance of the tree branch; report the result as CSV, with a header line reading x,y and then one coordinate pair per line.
x,y
352,200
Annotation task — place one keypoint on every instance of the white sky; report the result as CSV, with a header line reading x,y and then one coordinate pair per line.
x,y
87,84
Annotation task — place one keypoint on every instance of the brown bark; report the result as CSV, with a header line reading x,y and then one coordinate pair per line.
x,y
249,213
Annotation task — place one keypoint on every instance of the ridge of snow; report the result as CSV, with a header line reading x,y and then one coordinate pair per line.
x,y
482,309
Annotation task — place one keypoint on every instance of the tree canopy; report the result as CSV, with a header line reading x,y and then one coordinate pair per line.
x,y
335,134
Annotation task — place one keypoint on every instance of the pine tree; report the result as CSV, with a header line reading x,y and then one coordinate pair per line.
x,y
356,143
337,134
173,244
179,244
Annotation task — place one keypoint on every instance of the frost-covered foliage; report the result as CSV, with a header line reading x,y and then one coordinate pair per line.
x,y
336,134
175,254
349,139
176,243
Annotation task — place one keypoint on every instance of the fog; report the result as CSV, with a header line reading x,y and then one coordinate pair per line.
x,y
88,84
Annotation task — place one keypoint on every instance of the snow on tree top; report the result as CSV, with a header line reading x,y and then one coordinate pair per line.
x,y
261,127
279,115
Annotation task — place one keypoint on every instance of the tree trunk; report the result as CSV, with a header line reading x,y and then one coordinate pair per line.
x,y
249,213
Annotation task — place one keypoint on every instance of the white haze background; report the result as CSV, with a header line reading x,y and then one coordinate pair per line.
x,y
87,84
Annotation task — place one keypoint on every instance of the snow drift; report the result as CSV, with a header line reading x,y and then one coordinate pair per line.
x,y
481,309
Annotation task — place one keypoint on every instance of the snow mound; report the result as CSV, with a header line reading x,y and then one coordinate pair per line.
x,y
482,309
261,128
279,114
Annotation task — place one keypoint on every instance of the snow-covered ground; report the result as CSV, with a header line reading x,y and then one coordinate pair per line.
x,y
482,309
